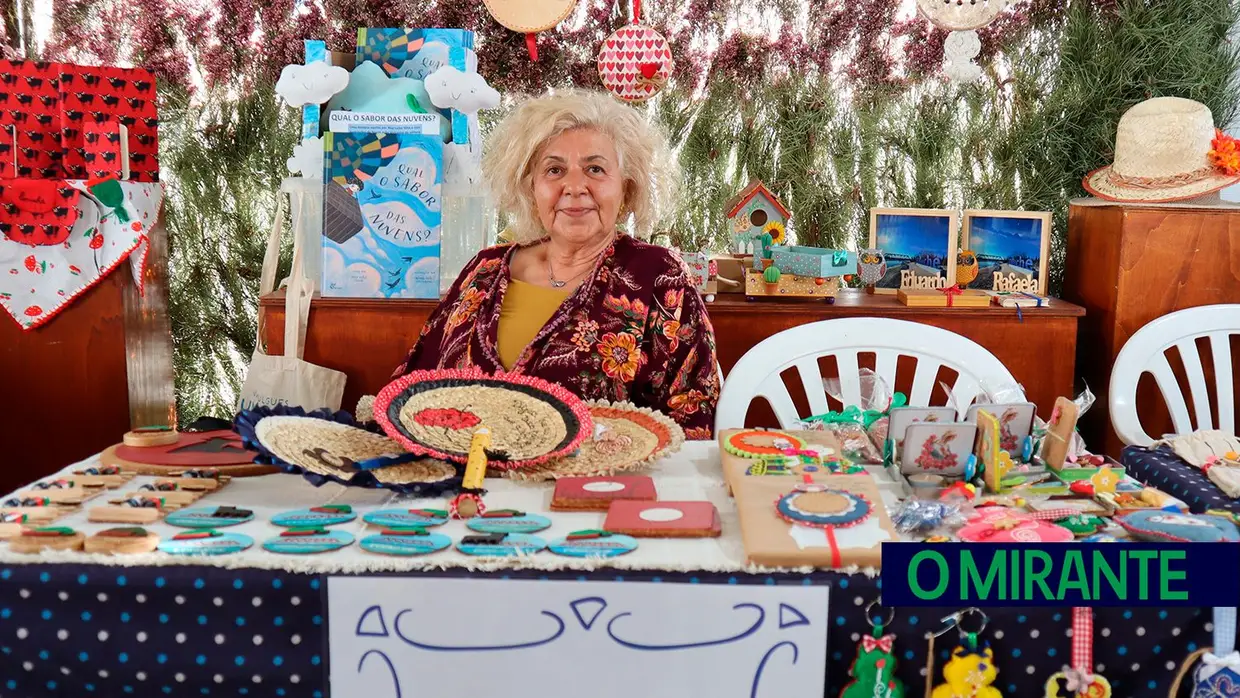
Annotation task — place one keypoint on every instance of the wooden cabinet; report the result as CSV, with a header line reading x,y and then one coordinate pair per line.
x,y
367,339
1130,264
64,385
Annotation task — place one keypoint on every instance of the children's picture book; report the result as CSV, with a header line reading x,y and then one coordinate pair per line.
x,y
381,214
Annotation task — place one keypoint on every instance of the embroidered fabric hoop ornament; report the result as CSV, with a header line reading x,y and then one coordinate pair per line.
x,y
635,62
530,17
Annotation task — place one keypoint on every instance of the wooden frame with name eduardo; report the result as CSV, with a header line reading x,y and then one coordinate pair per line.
x,y
920,241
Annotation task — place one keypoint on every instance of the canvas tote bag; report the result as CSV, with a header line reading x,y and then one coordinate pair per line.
x,y
287,379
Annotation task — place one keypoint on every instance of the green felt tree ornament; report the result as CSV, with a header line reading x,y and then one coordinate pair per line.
x,y
109,193
874,669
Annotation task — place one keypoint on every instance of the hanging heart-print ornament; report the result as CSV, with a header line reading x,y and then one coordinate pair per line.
x,y
635,63
530,16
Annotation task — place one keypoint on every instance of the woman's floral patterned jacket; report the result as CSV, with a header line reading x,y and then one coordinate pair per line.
x,y
636,330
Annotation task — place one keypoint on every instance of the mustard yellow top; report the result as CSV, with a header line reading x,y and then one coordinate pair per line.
x,y
524,311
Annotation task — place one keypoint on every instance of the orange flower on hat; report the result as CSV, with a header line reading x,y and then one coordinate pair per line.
x,y
1225,153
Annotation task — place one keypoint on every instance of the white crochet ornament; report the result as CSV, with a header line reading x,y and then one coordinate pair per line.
x,y
961,18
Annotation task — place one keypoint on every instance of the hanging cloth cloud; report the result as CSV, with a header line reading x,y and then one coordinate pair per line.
x,y
961,18
530,17
635,62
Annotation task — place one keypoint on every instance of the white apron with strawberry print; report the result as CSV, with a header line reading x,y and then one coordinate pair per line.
x,y
38,281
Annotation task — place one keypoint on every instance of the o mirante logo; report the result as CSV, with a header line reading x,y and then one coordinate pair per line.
x,y
1058,574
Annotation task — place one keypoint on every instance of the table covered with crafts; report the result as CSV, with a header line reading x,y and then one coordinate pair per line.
x,y
257,622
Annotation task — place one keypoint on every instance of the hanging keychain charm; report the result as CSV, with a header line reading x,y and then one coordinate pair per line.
x,y
1218,675
971,670
1078,680
874,669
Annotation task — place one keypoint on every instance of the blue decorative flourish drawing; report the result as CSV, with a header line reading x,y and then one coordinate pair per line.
x,y
789,617
706,643
480,648
599,603
757,675
391,669
377,612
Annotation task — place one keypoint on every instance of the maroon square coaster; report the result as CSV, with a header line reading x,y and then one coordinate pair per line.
x,y
597,493
663,519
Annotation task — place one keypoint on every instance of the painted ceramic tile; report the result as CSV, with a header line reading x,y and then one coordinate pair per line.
x,y
942,448
902,417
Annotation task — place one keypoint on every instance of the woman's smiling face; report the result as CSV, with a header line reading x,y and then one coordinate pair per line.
x,y
578,186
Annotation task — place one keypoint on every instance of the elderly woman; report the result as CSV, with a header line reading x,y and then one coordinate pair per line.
x,y
575,300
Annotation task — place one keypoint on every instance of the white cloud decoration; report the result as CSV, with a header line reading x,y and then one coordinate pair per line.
x,y
307,159
315,83
450,88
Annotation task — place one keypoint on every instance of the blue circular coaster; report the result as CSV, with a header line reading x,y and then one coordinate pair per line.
x,y
389,544
208,517
508,546
857,508
311,518
309,545
528,523
223,544
611,546
397,518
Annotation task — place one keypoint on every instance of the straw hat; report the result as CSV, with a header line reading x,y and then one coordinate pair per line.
x,y
1167,149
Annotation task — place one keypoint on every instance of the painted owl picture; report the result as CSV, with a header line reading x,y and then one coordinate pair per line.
x,y
966,267
871,266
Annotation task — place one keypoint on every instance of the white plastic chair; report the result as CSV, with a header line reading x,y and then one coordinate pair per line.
x,y
1145,352
757,373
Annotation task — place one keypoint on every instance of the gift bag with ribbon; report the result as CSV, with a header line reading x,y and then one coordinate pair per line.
x,y
1218,674
288,379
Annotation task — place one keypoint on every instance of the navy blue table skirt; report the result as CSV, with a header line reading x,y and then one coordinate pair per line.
x,y
82,630
1163,469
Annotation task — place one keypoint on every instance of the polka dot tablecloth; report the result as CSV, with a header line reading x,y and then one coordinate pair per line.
x,y
1163,469
77,630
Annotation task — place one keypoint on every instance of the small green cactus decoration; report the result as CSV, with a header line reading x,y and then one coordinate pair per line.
x,y
771,275
767,243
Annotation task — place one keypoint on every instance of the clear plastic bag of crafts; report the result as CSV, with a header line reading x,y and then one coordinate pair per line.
x,y
850,425
927,516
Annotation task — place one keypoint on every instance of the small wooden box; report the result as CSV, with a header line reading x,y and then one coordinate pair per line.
x,y
933,298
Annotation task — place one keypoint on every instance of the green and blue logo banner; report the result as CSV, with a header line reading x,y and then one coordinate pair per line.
x,y
1061,574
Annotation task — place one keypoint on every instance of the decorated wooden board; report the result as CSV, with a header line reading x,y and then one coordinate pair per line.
x,y
745,452
218,450
663,519
1060,428
122,541
791,286
597,493
832,522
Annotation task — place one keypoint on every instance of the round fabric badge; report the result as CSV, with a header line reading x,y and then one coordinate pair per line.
x,y
594,546
501,545
209,517
308,543
405,544
635,63
823,507
522,523
205,543
318,516
397,518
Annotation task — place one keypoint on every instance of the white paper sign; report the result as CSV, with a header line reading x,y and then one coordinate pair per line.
x,y
395,637
361,122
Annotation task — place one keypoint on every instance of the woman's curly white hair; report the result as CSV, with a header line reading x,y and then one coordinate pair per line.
x,y
650,171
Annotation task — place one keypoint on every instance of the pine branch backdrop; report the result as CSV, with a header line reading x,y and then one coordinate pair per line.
x,y
839,105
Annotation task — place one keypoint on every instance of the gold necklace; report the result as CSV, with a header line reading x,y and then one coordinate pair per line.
x,y
556,283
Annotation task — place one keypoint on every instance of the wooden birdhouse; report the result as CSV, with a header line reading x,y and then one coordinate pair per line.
x,y
752,212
